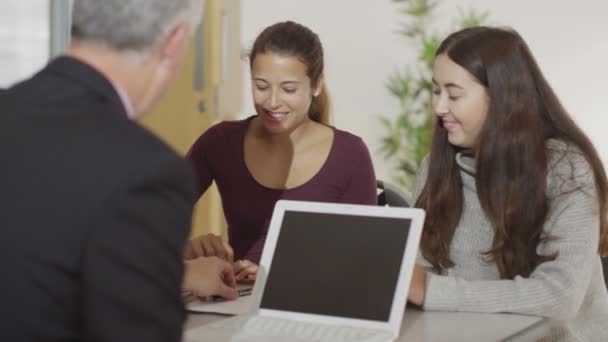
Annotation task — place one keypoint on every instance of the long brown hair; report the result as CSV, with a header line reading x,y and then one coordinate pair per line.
x,y
292,39
510,152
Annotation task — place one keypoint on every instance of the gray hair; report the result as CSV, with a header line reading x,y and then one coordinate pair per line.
x,y
130,25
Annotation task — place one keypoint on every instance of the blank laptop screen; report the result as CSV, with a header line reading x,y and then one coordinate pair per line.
x,y
336,265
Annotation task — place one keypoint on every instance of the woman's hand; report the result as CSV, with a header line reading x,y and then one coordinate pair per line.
x,y
210,277
207,246
417,286
245,271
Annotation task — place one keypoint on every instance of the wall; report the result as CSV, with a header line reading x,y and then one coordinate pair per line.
x,y
24,39
569,39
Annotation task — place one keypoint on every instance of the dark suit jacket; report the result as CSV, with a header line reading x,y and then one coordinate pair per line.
x,y
94,214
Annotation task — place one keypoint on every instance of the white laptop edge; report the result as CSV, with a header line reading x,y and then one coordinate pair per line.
x,y
405,273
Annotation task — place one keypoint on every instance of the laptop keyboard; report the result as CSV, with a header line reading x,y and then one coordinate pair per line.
x,y
256,326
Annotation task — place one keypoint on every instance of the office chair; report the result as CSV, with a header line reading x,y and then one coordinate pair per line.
x,y
392,195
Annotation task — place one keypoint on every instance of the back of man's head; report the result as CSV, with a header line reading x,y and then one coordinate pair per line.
x,y
130,25
137,44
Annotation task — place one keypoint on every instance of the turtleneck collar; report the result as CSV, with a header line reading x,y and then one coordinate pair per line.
x,y
466,161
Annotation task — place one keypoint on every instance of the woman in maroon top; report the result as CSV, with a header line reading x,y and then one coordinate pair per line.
x,y
286,151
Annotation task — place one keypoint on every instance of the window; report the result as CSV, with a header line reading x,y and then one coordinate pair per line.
x,y
30,32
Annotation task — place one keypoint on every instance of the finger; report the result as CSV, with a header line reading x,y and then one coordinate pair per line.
x,y
242,265
246,272
219,247
239,266
242,274
249,269
248,279
228,292
196,248
227,274
229,251
239,276
207,247
229,278
253,269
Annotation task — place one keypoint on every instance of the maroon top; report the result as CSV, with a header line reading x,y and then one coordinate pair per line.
x,y
347,176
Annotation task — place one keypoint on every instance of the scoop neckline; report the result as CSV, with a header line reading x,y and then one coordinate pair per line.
x,y
313,178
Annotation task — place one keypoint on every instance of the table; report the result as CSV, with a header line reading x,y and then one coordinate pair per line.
x,y
436,326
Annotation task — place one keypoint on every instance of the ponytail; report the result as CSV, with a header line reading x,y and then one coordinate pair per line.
x,y
319,108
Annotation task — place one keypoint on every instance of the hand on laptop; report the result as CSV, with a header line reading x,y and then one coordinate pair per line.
x,y
207,246
245,271
210,276
417,286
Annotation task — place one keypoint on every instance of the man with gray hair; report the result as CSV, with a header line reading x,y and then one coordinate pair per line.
x,y
95,210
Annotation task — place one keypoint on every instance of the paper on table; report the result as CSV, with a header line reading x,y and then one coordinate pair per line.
x,y
238,306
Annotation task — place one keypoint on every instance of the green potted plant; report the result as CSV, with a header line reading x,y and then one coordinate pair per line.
x,y
408,134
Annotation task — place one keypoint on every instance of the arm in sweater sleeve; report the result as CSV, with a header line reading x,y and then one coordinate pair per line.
x,y
556,288
421,176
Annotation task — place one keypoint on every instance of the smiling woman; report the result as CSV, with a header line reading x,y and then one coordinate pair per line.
x,y
514,191
459,101
282,91
286,151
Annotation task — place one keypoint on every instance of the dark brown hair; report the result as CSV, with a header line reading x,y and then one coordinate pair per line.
x,y
292,39
510,152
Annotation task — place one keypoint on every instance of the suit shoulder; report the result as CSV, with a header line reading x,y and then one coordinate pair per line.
x,y
136,143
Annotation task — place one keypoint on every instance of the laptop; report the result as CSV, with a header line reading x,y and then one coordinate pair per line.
x,y
328,272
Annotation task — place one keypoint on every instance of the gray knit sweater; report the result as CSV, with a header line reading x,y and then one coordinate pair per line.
x,y
569,290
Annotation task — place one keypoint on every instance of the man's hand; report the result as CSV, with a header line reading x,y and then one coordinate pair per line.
x,y
207,246
210,276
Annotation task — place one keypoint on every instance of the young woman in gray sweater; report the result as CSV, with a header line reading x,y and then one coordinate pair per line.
x,y
514,191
